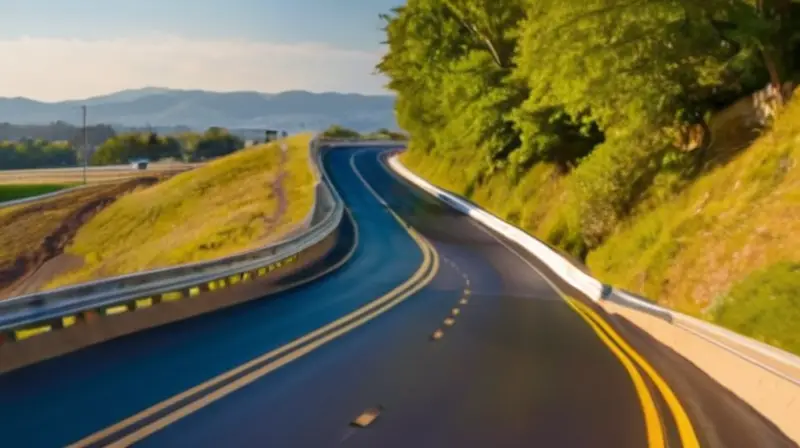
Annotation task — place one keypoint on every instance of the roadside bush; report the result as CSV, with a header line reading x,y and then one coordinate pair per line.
x,y
765,306
605,185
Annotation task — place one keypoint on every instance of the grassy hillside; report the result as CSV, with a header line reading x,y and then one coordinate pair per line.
x,y
724,246
34,233
728,248
224,207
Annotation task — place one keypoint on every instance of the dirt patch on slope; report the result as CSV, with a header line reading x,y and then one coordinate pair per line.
x,y
33,234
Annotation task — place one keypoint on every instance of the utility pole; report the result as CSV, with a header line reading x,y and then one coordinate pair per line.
x,y
85,145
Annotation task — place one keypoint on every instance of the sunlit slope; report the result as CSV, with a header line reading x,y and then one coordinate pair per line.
x,y
229,205
729,246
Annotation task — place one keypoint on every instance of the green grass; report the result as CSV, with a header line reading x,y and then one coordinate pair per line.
x,y
14,192
765,306
523,200
216,210
720,239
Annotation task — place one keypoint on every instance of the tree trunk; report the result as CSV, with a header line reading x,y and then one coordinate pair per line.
x,y
774,75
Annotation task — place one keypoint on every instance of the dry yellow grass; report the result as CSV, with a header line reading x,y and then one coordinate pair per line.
x,y
219,209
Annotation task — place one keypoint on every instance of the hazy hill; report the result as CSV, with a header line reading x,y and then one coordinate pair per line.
x,y
159,107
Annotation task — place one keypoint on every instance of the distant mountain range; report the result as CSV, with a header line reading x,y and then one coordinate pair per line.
x,y
163,108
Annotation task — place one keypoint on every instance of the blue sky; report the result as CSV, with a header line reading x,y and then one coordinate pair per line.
x,y
73,48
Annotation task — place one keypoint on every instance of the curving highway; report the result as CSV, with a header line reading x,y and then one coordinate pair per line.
x,y
452,334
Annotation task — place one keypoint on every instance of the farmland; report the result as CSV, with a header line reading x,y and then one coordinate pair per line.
x,y
74,175
12,192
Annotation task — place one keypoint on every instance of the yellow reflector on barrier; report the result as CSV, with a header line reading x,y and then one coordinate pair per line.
x,y
194,291
171,296
119,309
245,276
262,272
221,283
234,279
212,286
31,332
144,303
68,321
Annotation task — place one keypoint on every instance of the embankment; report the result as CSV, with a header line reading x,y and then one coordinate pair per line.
x,y
232,204
35,234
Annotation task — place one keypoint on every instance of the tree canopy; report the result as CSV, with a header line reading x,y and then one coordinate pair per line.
x,y
336,131
36,154
189,146
607,90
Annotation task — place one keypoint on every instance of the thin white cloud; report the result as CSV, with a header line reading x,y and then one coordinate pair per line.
x,y
52,69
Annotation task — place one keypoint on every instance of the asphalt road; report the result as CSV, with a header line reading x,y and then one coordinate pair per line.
x,y
519,366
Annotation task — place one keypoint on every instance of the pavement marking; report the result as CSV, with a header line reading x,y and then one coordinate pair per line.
x,y
147,302
373,309
455,311
652,422
685,428
253,376
438,334
449,321
463,301
367,417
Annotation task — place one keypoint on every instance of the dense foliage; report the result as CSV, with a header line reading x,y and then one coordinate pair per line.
x,y
126,147
611,93
36,154
215,142
95,134
339,132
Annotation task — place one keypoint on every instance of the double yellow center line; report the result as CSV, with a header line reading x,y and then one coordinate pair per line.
x,y
630,359
148,422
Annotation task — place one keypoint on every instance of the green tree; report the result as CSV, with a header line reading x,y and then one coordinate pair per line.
x,y
126,147
216,142
336,131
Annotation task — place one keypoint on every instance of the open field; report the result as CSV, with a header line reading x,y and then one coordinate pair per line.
x,y
12,192
33,234
234,203
95,174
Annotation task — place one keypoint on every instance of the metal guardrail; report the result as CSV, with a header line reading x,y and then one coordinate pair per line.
x,y
189,279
